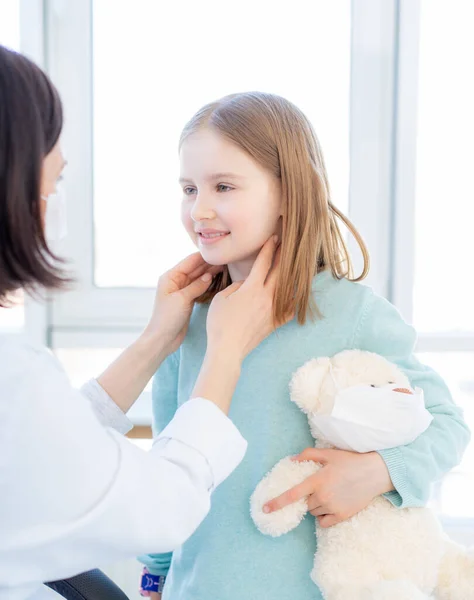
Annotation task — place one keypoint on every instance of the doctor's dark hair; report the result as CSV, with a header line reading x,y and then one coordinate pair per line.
x,y
31,120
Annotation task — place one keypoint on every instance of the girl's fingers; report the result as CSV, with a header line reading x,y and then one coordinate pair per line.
x,y
317,511
328,521
317,455
302,490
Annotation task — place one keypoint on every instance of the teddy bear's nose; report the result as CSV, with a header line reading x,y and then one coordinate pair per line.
x,y
403,390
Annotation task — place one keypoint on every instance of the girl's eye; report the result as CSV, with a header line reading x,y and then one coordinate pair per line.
x,y
224,188
189,190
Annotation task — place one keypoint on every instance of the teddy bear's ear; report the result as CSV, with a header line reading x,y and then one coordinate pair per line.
x,y
305,385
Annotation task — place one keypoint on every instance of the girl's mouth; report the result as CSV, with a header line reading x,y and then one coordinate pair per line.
x,y
207,238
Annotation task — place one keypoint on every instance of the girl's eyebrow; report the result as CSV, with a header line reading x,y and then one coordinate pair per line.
x,y
225,176
215,177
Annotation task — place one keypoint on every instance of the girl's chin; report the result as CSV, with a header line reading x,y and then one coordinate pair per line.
x,y
215,255
229,260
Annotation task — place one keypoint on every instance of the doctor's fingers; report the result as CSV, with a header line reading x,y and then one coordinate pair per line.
x,y
262,265
202,269
187,271
184,280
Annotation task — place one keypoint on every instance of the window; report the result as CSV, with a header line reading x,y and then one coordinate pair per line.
x,y
454,494
10,23
444,215
443,298
83,361
127,105
352,66
173,63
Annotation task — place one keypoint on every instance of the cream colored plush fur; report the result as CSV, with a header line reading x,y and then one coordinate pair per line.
x,y
382,553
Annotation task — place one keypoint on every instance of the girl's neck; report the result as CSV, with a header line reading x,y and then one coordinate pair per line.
x,y
239,271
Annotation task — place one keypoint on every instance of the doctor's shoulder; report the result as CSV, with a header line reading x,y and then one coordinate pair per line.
x,y
19,355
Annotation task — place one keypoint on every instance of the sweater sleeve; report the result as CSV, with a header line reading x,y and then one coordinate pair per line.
x,y
415,467
165,404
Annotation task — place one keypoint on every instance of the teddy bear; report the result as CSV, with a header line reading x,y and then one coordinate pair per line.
x,y
383,552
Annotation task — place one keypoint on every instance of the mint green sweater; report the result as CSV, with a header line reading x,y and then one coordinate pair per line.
x,y
227,558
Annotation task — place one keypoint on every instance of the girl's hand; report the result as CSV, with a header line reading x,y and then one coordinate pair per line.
x,y
346,484
175,295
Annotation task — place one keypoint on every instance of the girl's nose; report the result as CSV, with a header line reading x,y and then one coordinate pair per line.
x,y
202,208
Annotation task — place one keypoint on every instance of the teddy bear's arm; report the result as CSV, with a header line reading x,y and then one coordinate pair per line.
x,y
285,475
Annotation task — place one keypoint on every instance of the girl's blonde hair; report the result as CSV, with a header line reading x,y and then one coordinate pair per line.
x,y
276,134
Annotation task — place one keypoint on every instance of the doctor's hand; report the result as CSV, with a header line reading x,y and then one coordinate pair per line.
x,y
239,318
125,379
176,292
346,484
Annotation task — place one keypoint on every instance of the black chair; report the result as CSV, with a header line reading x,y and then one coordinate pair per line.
x,y
93,585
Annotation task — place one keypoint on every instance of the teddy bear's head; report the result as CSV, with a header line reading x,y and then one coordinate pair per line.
x,y
315,385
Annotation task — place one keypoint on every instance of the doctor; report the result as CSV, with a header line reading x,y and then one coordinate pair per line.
x,y
71,495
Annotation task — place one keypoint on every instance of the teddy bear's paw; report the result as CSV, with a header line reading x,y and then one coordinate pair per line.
x,y
393,590
285,475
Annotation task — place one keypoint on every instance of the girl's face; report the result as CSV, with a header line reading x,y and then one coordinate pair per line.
x,y
231,205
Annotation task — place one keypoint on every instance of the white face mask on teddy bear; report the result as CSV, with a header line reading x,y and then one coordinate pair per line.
x,y
366,418
360,417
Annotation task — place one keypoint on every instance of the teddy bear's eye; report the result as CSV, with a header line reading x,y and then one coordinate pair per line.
x,y
391,383
372,385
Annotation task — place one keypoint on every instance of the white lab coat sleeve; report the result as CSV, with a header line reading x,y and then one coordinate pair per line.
x,y
75,495
108,413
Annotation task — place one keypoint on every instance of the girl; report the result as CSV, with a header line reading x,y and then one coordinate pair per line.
x,y
251,166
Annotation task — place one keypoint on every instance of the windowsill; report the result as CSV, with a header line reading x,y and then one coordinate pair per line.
x,y
460,529
465,523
